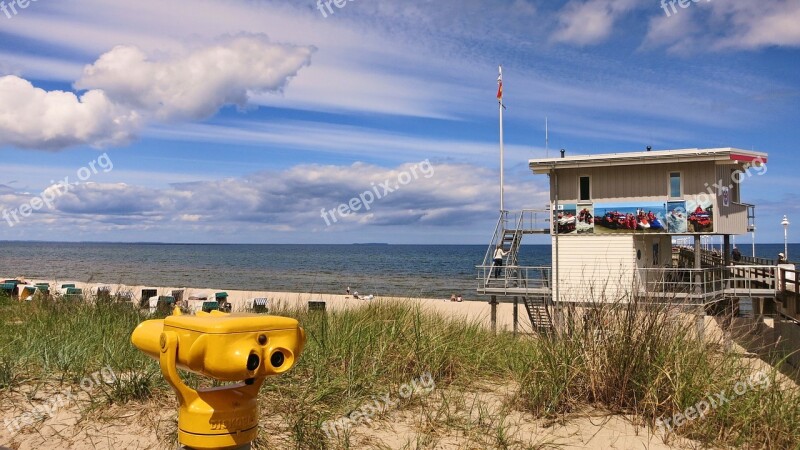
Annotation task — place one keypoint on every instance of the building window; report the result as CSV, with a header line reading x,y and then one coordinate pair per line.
x,y
675,188
585,188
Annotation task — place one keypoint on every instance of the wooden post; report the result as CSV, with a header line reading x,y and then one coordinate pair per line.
x,y
493,302
698,265
726,258
516,315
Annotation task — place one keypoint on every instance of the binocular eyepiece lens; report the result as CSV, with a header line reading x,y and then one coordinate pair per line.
x,y
277,359
253,362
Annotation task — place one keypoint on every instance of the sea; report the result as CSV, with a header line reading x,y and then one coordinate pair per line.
x,y
415,271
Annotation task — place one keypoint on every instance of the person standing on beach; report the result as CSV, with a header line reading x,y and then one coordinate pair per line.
x,y
499,254
348,291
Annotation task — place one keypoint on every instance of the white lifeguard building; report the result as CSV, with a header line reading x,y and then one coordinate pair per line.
x,y
616,221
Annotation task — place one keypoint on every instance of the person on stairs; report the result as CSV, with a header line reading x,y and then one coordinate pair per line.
x,y
499,254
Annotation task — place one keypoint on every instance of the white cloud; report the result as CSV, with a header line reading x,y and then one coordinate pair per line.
x,y
125,89
728,25
753,25
590,22
34,118
677,32
289,200
196,84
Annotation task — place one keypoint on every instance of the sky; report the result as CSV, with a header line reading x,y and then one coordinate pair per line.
x,y
252,121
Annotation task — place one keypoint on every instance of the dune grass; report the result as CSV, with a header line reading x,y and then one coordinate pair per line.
x,y
631,359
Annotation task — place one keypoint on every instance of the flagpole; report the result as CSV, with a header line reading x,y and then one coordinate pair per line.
x,y
502,174
546,139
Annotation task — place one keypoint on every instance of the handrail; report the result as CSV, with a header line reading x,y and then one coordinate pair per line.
x,y
515,277
708,282
493,242
795,283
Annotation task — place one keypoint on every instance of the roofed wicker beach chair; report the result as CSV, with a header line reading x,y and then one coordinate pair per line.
x,y
222,301
261,305
210,306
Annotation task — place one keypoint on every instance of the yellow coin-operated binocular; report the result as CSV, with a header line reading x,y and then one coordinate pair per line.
x,y
234,348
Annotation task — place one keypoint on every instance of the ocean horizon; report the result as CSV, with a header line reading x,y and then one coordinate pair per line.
x,y
400,270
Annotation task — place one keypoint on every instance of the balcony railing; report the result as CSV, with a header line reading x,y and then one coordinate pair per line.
x,y
691,286
514,279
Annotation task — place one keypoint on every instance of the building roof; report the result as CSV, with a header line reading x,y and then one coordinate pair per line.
x,y
719,155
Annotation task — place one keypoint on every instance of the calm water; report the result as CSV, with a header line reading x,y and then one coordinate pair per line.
x,y
396,270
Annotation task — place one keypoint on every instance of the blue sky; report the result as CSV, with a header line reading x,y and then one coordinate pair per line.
x,y
239,121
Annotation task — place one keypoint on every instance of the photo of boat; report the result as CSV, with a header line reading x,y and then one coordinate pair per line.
x,y
677,217
574,219
701,217
630,218
566,222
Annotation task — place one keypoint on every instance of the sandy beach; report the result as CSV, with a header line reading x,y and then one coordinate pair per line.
x,y
240,300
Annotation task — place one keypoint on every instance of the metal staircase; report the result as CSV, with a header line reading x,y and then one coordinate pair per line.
x,y
515,281
539,313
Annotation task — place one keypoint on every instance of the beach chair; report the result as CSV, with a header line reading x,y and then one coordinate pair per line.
x,y
316,305
147,294
178,294
210,306
261,305
11,288
73,294
222,299
102,294
26,292
164,304
65,286
8,289
44,289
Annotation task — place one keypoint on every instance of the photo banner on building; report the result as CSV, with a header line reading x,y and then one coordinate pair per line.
x,y
630,218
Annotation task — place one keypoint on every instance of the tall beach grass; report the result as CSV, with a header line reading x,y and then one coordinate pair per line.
x,y
626,358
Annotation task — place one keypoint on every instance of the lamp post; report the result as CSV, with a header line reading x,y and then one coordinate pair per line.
x,y
785,223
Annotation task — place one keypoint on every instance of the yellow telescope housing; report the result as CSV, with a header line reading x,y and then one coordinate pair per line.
x,y
243,348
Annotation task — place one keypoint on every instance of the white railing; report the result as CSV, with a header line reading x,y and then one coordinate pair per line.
x,y
710,283
529,278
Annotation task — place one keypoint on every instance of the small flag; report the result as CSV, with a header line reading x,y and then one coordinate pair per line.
x,y
500,86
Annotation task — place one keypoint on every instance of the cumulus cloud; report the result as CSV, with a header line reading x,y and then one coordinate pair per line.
x,y
289,200
125,89
34,118
196,84
590,22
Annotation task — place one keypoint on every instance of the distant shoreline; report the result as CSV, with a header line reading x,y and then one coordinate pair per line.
x,y
241,300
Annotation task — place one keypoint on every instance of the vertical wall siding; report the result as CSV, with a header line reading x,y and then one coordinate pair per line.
x,y
633,183
595,268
